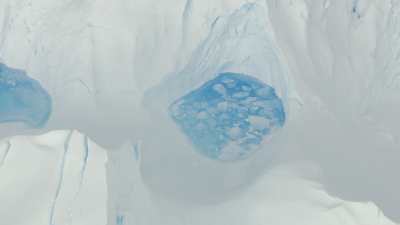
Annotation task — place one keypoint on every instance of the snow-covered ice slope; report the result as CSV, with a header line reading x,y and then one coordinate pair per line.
x,y
58,178
346,55
284,195
114,69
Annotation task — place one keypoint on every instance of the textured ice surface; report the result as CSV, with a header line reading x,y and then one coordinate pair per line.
x,y
270,199
22,99
58,178
335,64
228,117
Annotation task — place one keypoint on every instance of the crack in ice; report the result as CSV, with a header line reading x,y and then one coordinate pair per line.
x,y
5,152
85,160
61,178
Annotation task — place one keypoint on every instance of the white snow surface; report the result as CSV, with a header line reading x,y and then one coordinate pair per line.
x,y
57,178
113,67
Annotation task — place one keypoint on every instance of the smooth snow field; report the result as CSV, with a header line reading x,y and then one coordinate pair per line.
x,y
199,112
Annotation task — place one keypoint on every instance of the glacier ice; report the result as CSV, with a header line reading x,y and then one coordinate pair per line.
x,y
281,191
22,98
228,117
53,179
334,65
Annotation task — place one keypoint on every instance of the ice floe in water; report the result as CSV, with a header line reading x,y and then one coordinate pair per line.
x,y
22,99
228,117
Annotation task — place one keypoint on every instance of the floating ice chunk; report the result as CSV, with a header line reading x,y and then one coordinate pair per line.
x,y
220,89
240,95
202,115
229,82
229,115
264,92
259,123
235,133
223,106
22,99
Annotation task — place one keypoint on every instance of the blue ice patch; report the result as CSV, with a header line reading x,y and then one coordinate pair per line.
x,y
228,117
22,99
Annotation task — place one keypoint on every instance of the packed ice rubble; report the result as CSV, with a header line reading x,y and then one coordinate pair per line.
x,y
228,117
55,179
22,99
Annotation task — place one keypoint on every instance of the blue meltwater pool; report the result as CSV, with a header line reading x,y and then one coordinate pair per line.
x,y
228,117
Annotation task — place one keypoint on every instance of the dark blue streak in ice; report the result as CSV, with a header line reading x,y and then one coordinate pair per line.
x,y
22,99
228,117
354,9
60,179
120,220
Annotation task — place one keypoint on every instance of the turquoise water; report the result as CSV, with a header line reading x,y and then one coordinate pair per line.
x,y
22,99
228,117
